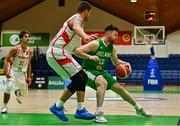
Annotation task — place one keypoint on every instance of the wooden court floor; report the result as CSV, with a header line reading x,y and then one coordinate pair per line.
x,y
164,106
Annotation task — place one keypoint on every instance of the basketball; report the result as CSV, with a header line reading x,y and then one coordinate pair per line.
x,y
122,71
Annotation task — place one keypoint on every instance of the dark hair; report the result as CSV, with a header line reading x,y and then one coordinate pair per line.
x,y
83,6
22,33
111,28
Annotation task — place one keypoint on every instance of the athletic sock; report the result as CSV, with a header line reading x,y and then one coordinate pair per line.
x,y
137,106
59,103
80,106
99,109
5,105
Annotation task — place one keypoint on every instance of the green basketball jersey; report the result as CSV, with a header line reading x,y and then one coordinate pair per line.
x,y
104,52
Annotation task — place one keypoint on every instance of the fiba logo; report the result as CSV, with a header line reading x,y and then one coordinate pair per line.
x,y
152,73
14,39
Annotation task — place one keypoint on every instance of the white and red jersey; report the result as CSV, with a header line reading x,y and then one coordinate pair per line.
x,y
21,60
63,38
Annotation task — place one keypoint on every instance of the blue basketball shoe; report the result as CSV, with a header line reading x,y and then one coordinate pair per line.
x,y
59,112
84,114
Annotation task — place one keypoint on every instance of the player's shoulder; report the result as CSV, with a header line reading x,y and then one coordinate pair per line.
x,y
30,50
75,16
14,49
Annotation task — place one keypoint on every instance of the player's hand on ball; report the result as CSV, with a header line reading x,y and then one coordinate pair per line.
x,y
129,66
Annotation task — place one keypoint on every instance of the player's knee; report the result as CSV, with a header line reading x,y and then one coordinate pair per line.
x,y
8,90
83,78
82,81
9,87
101,82
118,86
78,83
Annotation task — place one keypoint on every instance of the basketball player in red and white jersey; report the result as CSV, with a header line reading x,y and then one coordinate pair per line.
x,y
17,66
61,61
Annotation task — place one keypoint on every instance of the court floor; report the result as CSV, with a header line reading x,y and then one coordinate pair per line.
x,y
164,105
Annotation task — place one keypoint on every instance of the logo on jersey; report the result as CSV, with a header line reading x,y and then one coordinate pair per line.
x,y
14,39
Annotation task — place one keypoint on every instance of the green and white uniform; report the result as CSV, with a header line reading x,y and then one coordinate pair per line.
x,y
93,69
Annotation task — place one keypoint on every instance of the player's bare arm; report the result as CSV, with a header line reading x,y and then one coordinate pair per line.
x,y
79,30
29,69
117,61
83,50
7,61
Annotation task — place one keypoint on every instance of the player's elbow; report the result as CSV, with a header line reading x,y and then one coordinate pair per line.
x,y
77,52
75,27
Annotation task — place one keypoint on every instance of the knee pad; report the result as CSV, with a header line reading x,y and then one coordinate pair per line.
x,y
79,81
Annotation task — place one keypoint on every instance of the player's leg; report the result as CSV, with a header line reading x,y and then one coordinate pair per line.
x,y
98,82
119,89
79,83
9,87
21,86
80,94
69,68
58,107
4,109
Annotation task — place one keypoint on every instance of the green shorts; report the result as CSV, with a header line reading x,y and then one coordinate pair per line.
x,y
92,74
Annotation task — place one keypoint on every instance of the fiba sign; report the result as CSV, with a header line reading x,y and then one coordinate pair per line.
x,y
14,39
152,77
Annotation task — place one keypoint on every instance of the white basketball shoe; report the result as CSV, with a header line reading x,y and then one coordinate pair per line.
x,y
4,110
100,117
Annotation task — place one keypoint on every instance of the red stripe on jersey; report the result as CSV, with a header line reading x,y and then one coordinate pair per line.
x,y
52,51
65,37
64,61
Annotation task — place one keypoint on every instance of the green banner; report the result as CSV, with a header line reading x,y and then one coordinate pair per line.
x,y
36,39
55,83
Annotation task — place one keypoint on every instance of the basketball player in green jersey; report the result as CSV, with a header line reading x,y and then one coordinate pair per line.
x,y
95,54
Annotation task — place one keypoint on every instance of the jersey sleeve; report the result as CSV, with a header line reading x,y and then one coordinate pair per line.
x,y
77,20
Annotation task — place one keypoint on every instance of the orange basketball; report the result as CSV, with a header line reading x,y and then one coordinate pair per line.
x,y
122,71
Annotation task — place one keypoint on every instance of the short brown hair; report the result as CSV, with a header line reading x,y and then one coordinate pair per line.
x,y
110,28
22,33
83,6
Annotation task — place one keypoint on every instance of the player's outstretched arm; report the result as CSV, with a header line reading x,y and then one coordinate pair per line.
x,y
82,51
7,62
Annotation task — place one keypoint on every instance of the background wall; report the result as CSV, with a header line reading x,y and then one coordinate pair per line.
x,y
49,17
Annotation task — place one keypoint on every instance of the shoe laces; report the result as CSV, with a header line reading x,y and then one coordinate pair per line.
x,y
100,113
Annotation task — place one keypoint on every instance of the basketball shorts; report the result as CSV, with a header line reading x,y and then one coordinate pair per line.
x,y
62,62
92,74
17,81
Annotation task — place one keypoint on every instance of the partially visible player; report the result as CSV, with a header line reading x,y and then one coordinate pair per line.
x,y
17,66
61,61
95,54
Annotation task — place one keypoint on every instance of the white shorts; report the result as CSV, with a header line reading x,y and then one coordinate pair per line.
x,y
62,62
17,81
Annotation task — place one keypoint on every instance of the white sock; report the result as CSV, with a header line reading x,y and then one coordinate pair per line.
x,y
80,105
99,109
5,104
59,103
137,106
